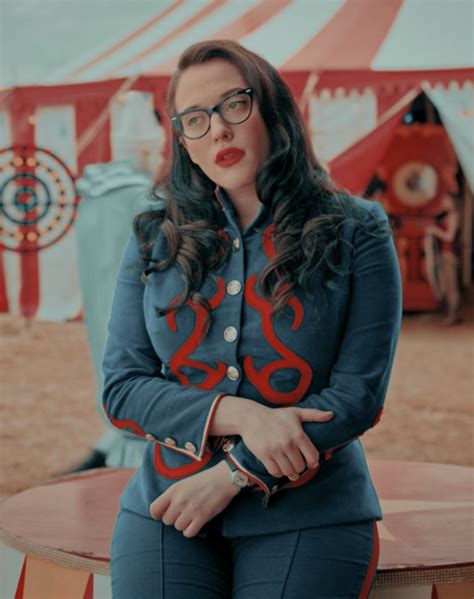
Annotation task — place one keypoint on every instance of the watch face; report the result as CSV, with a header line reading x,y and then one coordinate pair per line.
x,y
239,479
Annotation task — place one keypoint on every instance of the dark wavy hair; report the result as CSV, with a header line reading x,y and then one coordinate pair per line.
x,y
306,207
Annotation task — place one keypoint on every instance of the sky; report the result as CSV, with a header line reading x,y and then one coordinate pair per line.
x,y
39,36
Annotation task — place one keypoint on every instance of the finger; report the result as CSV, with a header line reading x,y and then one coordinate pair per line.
x,y
159,506
192,529
309,452
273,468
284,464
314,415
182,522
170,516
296,460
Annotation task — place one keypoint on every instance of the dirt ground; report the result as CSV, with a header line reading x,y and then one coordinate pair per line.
x,y
49,420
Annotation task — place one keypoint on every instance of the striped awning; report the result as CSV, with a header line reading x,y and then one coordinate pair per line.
x,y
354,67
297,35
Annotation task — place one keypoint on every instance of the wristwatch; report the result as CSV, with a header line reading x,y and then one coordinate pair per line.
x,y
239,479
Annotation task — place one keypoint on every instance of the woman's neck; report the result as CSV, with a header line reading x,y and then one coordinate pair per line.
x,y
246,204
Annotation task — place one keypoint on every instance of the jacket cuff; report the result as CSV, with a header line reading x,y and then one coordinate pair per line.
x,y
201,443
264,482
240,457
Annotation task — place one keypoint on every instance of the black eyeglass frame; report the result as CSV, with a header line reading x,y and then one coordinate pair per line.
x,y
177,123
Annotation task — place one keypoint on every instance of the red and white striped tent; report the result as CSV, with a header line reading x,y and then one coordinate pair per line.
x,y
354,66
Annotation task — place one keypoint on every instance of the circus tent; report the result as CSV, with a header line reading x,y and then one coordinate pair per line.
x,y
354,66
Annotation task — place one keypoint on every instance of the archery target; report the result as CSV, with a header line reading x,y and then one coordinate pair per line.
x,y
415,184
38,199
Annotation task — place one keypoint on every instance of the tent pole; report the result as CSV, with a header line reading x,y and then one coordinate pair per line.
x,y
93,129
429,111
467,235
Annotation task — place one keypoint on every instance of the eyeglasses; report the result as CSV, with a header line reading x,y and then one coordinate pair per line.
x,y
233,109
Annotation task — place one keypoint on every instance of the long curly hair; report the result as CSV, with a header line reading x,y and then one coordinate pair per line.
x,y
306,207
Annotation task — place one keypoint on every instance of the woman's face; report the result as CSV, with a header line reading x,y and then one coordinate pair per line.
x,y
203,86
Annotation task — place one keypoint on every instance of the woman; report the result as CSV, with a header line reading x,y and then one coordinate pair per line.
x,y
446,230
251,339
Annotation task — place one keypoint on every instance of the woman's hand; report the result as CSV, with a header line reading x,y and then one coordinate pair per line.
x,y
276,437
190,503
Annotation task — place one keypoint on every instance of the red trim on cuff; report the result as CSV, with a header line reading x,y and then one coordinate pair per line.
x,y
179,471
303,479
210,418
327,455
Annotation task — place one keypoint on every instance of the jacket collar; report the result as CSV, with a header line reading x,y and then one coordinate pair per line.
x,y
261,220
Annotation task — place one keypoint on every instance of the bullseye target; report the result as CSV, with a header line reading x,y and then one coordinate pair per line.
x,y
38,199
415,183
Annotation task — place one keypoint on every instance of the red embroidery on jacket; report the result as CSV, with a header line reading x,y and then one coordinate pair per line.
x,y
180,471
261,378
181,357
128,425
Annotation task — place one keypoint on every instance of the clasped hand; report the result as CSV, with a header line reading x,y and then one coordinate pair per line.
x,y
191,502
274,435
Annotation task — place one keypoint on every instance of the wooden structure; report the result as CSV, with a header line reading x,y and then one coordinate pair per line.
x,y
55,538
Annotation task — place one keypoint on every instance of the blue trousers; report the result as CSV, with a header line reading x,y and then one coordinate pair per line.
x,y
150,560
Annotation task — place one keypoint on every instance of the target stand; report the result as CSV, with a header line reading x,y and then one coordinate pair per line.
x,y
55,538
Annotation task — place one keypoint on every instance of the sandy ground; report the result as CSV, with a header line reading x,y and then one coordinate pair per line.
x,y
49,420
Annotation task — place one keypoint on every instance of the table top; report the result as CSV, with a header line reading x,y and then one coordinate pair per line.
x,y
428,514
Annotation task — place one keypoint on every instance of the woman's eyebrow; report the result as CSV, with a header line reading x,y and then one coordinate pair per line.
x,y
223,95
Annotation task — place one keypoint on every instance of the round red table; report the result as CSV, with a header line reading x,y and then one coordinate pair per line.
x,y
55,537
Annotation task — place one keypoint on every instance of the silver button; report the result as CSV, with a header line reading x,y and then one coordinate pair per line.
x,y
236,244
190,446
150,437
293,476
230,334
170,441
274,488
232,373
234,287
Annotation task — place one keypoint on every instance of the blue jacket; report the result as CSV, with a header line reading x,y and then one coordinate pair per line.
x,y
164,376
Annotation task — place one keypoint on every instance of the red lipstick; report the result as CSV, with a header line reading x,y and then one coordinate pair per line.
x,y
229,156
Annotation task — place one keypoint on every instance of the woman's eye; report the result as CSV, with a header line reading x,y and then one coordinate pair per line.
x,y
194,120
236,104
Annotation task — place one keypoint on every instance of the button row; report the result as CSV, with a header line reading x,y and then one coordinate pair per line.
x,y
172,443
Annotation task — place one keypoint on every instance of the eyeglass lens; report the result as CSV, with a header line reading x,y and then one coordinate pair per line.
x,y
234,110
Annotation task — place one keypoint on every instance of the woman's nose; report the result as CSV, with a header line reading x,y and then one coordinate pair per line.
x,y
219,128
